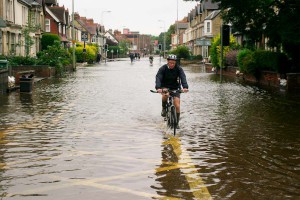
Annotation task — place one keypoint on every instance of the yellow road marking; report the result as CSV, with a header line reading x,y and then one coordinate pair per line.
x,y
196,183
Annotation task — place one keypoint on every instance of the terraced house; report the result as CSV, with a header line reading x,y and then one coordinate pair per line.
x,y
21,26
204,24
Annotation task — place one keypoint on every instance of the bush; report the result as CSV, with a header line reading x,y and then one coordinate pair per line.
x,y
89,56
215,50
245,60
56,56
181,52
231,58
48,40
20,60
198,57
273,61
252,62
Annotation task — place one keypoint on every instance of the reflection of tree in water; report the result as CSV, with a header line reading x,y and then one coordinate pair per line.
x,y
173,183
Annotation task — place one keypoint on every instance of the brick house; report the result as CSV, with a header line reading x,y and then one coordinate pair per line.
x,y
57,22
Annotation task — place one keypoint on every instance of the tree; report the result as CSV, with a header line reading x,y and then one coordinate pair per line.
x,y
124,46
277,20
181,52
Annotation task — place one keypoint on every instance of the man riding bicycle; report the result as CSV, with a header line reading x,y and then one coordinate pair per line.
x,y
151,59
171,76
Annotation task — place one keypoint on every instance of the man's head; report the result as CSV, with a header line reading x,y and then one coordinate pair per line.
x,y
171,60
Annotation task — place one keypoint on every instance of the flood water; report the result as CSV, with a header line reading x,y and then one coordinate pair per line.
x,y
98,134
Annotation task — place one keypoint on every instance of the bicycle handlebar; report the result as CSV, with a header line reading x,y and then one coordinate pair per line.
x,y
168,90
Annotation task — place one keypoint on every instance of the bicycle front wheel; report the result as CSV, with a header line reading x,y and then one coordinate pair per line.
x,y
173,119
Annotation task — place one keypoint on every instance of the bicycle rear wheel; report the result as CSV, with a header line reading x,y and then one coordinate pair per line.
x,y
173,120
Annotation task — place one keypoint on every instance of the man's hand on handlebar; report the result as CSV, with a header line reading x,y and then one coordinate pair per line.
x,y
185,90
165,90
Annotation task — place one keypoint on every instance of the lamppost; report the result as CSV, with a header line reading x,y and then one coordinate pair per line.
x,y
73,37
177,27
103,37
164,36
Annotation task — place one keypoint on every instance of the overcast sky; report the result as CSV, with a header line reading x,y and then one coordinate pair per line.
x,y
137,15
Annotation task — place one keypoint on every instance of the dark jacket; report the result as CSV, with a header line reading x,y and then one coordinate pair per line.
x,y
171,78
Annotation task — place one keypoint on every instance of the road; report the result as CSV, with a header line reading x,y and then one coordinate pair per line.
x,y
98,134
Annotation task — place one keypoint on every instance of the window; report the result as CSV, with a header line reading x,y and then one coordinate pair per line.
x,y
13,43
94,39
24,15
9,10
7,39
59,28
205,51
208,29
47,25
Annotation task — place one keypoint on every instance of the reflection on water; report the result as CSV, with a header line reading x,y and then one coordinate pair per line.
x,y
177,176
246,137
86,136
172,181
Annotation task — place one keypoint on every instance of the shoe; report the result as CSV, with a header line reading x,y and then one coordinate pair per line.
x,y
177,126
163,113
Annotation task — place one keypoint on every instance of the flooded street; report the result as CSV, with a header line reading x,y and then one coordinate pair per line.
x,y
98,134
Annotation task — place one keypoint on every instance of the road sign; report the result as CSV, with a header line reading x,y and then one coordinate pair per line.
x,y
84,36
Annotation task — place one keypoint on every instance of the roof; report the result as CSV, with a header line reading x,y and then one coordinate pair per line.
x,y
51,2
212,15
194,13
59,12
52,14
209,5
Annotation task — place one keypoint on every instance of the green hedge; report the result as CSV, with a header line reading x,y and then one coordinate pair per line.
x,y
181,52
48,40
20,60
254,61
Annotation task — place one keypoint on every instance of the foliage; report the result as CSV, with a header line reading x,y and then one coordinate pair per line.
x,y
181,52
253,62
197,57
20,60
124,46
267,60
55,55
215,50
245,61
231,58
89,56
26,32
277,20
48,40
116,50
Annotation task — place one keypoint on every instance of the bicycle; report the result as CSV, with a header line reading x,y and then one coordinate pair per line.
x,y
151,61
171,116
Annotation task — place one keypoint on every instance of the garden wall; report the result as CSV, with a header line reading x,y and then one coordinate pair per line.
x,y
3,81
41,71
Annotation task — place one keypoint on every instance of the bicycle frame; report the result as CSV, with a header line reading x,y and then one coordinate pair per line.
x,y
171,116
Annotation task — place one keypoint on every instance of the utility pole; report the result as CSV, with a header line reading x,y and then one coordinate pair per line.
x,y
73,37
177,27
164,49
